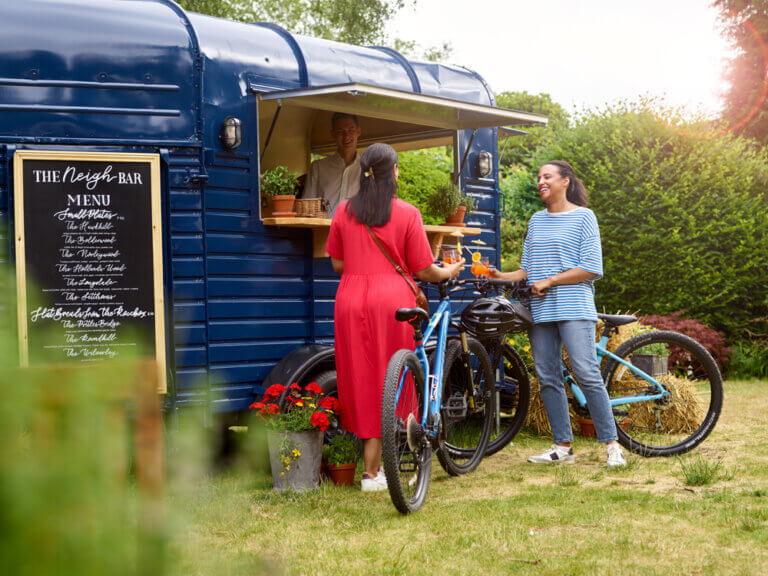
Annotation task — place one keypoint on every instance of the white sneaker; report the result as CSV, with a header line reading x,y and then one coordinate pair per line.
x,y
383,477
555,455
375,484
615,456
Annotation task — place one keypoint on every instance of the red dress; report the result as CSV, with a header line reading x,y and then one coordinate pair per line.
x,y
370,291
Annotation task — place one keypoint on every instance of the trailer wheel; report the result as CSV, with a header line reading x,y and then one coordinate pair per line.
x,y
327,382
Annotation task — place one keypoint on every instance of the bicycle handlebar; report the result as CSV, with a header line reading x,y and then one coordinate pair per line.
x,y
518,290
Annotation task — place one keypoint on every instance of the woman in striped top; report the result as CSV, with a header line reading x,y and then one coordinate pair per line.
x,y
561,260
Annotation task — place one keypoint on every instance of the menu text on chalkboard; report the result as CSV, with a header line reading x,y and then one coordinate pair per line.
x,y
88,257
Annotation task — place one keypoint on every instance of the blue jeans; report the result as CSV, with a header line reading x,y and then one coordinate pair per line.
x,y
578,336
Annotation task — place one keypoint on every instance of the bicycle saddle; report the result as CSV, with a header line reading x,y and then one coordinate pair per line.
x,y
411,314
616,319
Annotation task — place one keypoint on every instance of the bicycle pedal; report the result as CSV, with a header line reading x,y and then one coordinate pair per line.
x,y
408,466
455,408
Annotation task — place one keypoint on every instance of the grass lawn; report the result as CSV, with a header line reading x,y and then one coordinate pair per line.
x,y
510,517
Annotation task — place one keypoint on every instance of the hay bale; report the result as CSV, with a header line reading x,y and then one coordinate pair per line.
x,y
683,414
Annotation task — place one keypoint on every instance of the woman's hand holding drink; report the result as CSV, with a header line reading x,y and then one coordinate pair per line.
x,y
454,268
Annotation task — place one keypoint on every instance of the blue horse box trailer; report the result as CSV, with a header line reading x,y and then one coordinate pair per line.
x,y
114,95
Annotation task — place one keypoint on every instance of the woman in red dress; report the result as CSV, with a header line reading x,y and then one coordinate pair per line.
x,y
367,333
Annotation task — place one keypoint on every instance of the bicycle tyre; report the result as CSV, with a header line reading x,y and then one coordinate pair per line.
x,y
399,460
456,459
709,389
518,401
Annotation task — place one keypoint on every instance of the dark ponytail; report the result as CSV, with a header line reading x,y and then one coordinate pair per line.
x,y
373,204
576,193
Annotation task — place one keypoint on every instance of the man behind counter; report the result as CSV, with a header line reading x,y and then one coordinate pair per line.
x,y
337,177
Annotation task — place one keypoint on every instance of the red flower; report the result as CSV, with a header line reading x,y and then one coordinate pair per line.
x,y
319,421
272,409
314,388
274,391
294,386
330,403
256,406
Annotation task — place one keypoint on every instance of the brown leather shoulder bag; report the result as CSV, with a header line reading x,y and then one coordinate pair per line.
x,y
421,299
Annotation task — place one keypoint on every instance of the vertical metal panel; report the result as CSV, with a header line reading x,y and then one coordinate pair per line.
x,y
187,273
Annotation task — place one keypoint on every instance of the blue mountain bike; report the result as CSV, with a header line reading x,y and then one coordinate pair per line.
x,y
443,404
665,389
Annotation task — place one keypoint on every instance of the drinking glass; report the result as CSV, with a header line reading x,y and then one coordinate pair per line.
x,y
450,256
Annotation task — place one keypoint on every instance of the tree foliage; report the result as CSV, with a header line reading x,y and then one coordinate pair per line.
x,y
682,214
745,24
518,150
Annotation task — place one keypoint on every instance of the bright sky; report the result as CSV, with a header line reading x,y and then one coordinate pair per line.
x,y
581,52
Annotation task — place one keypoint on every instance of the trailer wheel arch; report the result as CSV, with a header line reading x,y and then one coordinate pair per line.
x,y
301,364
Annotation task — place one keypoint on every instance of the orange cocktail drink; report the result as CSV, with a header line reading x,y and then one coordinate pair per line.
x,y
450,256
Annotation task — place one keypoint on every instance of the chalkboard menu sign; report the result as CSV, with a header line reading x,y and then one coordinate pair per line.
x,y
88,256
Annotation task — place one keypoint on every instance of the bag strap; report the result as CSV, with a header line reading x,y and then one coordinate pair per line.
x,y
397,266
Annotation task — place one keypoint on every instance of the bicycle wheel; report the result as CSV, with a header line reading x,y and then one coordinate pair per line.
x,y
467,409
676,423
407,469
513,398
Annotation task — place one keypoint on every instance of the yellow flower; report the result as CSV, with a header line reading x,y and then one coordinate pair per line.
x,y
296,453
282,473
311,405
527,348
299,403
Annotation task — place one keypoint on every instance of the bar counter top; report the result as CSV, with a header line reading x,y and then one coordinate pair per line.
x,y
321,226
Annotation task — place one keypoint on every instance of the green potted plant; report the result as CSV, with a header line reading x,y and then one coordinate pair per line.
x,y
295,433
279,185
652,358
447,201
340,457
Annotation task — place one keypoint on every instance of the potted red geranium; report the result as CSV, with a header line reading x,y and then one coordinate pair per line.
x,y
295,434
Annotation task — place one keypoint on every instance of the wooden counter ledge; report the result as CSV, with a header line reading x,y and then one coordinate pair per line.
x,y
321,226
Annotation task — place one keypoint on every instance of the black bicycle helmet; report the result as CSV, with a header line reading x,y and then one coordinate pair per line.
x,y
494,316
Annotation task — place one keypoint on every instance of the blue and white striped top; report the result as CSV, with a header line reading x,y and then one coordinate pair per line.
x,y
555,243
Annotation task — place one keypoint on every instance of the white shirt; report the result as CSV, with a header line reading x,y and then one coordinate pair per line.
x,y
330,179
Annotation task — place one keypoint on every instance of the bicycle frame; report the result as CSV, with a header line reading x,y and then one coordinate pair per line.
x,y
621,400
433,383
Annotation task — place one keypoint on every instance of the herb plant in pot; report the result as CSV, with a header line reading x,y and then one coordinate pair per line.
x,y
279,185
449,202
295,434
340,457
652,359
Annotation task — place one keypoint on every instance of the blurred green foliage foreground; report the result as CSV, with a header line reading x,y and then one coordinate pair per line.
x,y
90,486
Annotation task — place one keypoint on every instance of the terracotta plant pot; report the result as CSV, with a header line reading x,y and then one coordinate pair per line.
x,y
342,474
457,218
587,428
282,205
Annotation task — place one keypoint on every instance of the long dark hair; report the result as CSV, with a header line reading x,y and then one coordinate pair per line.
x,y
576,193
373,204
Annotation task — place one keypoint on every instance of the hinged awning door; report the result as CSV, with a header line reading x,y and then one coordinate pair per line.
x,y
394,116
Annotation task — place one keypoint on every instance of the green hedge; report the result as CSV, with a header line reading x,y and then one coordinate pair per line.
x,y
682,215
420,173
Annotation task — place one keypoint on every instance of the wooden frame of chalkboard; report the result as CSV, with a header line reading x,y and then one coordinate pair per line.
x,y
89,262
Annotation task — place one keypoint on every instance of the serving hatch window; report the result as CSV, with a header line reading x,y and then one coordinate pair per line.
x,y
294,125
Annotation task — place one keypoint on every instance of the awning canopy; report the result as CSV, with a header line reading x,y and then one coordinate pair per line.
x,y
406,120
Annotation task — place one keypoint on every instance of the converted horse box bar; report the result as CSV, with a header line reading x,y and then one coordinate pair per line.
x,y
132,136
